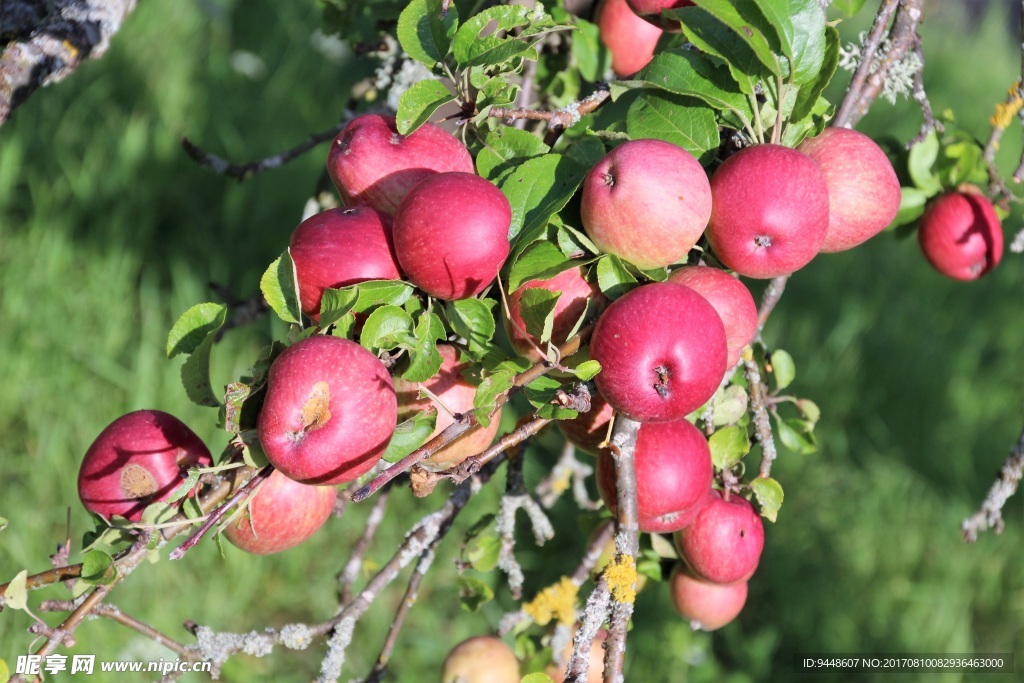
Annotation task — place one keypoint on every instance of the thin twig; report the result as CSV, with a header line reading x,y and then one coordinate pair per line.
x,y
559,119
408,600
242,172
990,515
115,614
772,295
49,577
921,97
845,115
462,425
759,408
216,515
567,472
350,573
620,574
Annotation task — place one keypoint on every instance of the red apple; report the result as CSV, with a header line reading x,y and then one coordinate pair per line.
x,y
282,514
371,164
662,351
863,190
651,11
457,395
731,299
329,412
673,475
630,39
341,247
961,235
647,201
708,606
139,459
770,211
723,543
573,302
483,659
451,234
587,431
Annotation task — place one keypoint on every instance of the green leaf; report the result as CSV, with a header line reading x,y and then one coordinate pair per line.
x,y
279,288
800,25
488,392
16,595
769,496
807,98
194,334
730,405
386,328
728,446
504,147
235,395
663,547
541,261
4,522
5,672
190,482
337,303
373,293
410,435
472,49
590,54
424,358
424,34
538,188
685,72
587,370
795,435
537,308
98,568
961,161
712,37
783,369
912,206
473,320
536,678
809,409
574,243
649,565
751,29
419,103
613,278
920,161
482,545
473,593
848,7
675,119
193,327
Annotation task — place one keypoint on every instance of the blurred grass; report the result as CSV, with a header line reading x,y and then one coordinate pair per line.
x,y
108,232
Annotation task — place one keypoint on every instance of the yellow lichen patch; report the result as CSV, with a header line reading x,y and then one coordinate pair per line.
x,y
556,602
561,485
620,574
1005,111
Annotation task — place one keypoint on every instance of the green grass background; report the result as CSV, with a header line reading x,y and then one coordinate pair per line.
x,y
108,232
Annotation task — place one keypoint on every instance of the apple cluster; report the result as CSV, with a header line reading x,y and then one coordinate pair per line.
x,y
415,210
